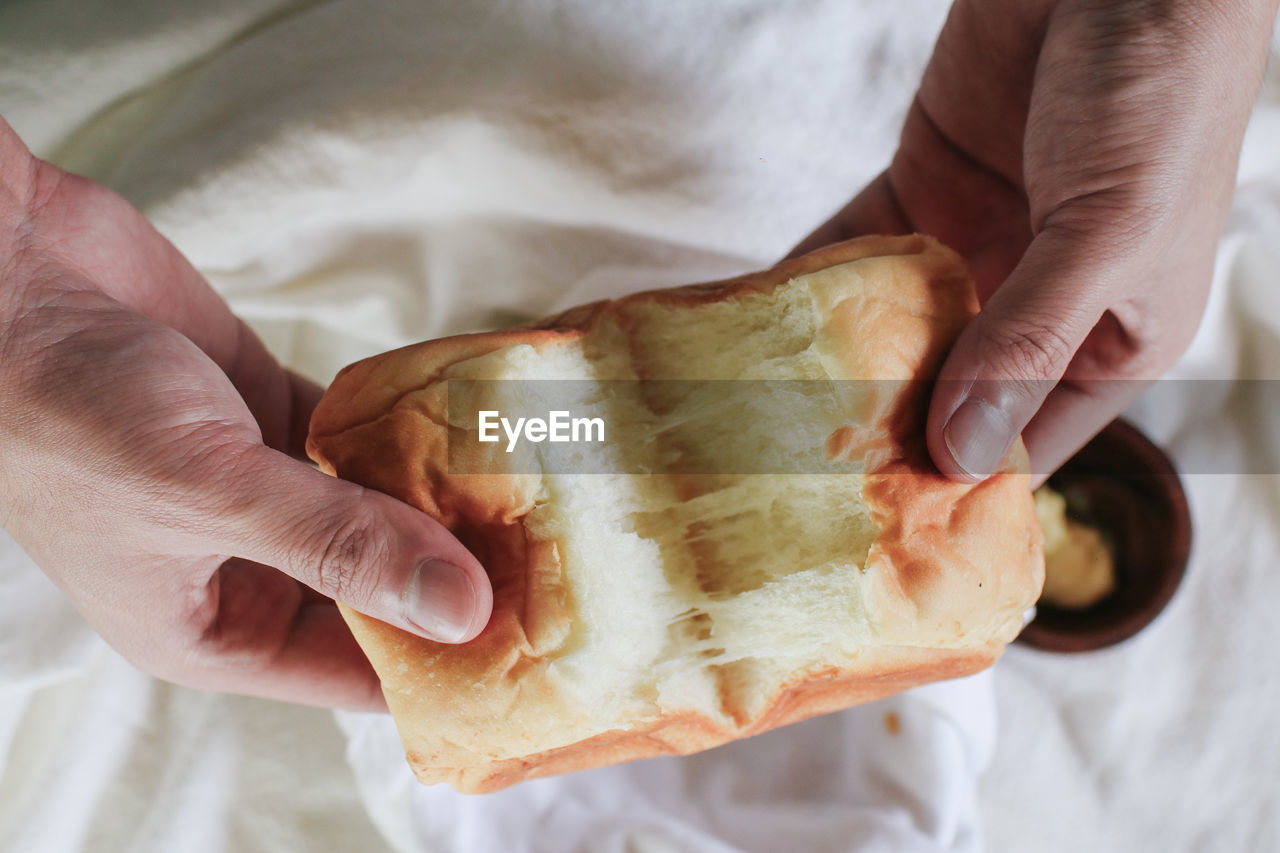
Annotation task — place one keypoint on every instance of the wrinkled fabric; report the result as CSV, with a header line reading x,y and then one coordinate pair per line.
x,y
355,176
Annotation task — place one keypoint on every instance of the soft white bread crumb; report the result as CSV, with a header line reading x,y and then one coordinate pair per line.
x,y
641,614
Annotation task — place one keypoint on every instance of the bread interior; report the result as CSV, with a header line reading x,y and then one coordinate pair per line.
x,y
701,591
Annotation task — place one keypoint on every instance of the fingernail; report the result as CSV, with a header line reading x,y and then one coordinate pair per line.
x,y
440,599
978,436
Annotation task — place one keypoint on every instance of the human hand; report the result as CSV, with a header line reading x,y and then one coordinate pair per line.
x,y
1081,155
146,438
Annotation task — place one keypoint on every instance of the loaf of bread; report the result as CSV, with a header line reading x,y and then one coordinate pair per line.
x,y
722,563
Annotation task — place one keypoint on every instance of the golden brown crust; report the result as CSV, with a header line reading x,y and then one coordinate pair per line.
x,y
582,317
893,671
947,586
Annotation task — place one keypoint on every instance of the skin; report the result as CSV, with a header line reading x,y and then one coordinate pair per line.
x,y
150,455
1080,155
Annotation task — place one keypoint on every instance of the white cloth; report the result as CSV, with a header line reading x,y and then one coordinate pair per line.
x,y
896,776
358,175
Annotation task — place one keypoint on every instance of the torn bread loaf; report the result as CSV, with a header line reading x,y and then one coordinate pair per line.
x,y
667,602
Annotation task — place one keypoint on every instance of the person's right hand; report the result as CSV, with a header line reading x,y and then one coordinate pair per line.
x,y
147,464
1081,156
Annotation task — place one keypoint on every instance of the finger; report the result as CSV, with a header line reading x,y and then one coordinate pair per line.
x,y
957,172
875,210
1074,412
17,168
946,191
1091,394
368,550
320,664
1010,356
273,637
280,400
934,187
304,395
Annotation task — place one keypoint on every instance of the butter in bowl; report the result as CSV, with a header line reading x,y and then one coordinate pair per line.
x,y
1117,537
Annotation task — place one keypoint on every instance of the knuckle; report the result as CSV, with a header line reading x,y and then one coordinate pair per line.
x,y
233,628
351,555
1035,352
1110,211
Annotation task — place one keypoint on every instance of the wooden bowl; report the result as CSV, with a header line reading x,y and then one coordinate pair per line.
x,y
1124,485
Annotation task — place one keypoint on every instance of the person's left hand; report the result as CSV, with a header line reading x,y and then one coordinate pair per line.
x,y
151,464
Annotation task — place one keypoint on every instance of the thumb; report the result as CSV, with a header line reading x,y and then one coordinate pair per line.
x,y
363,548
1011,355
